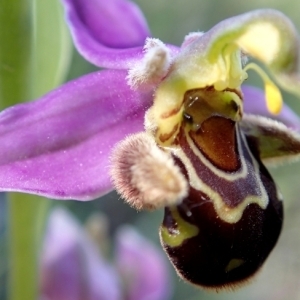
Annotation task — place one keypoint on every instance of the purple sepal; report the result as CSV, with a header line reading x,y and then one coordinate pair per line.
x,y
59,146
108,35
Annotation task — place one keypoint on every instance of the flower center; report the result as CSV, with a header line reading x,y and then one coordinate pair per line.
x,y
212,83
201,104
197,106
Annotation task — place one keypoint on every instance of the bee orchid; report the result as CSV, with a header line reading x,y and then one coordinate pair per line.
x,y
174,127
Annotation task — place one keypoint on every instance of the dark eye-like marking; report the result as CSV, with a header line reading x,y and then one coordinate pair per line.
x,y
188,118
234,106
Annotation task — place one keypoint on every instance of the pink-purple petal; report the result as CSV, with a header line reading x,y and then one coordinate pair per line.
x,y
142,266
59,146
71,266
255,103
108,35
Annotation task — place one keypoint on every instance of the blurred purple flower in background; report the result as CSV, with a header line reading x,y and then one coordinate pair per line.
x,y
73,267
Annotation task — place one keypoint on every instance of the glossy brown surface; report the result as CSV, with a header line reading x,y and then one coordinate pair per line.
x,y
219,146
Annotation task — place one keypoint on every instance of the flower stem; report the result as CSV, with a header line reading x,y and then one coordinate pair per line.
x,y
26,215
15,51
34,56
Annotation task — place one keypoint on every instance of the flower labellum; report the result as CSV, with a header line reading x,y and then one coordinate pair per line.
x,y
226,227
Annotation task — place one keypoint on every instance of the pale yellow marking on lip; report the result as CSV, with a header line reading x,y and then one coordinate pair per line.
x,y
184,231
233,264
228,214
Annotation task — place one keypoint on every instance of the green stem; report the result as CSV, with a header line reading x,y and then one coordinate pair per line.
x,y
16,36
26,213
34,54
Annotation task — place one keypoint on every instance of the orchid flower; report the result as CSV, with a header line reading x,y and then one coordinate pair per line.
x,y
72,267
194,146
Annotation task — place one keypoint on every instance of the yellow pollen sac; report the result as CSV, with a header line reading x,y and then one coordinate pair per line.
x,y
272,92
273,98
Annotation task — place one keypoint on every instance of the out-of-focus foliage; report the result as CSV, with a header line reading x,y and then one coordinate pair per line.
x,y
35,49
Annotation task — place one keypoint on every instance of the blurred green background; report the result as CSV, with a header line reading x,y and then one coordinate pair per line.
x,y
170,21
